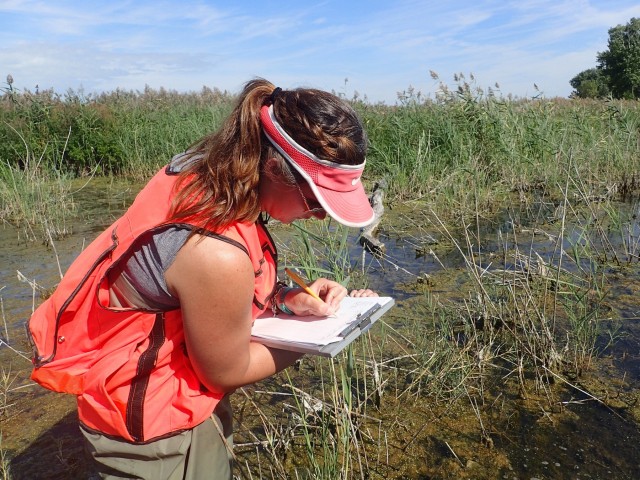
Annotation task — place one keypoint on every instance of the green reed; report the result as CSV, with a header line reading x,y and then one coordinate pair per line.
x,y
35,200
527,318
322,249
432,354
544,313
121,132
306,422
327,426
422,145
430,147
466,146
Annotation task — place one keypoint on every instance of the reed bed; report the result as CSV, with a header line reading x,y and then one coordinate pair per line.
x,y
467,147
418,142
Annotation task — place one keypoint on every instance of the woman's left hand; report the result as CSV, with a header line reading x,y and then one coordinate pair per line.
x,y
363,292
331,293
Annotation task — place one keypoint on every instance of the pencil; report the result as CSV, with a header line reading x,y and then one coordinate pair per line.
x,y
296,278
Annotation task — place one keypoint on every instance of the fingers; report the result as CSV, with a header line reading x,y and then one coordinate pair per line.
x,y
363,292
331,293
301,303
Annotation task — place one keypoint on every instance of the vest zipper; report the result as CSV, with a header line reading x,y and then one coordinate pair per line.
x,y
139,383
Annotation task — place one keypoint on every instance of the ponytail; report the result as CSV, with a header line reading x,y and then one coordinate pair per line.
x,y
220,184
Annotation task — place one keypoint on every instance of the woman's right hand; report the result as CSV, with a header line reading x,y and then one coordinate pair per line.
x,y
331,293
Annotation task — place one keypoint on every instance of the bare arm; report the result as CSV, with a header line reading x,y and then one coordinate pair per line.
x,y
214,282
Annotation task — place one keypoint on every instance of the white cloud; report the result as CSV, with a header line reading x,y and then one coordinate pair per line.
x,y
381,48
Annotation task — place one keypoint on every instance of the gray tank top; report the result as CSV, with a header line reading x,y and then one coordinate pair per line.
x,y
138,279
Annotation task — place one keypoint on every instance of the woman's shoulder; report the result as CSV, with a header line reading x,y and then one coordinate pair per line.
x,y
206,261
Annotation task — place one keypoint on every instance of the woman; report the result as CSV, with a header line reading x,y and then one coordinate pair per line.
x,y
151,325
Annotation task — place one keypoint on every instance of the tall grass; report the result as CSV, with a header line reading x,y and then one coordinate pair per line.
x,y
321,250
120,132
46,139
469,137
5,468
426,146
36,200
466,148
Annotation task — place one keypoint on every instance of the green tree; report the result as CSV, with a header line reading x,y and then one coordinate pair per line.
x,y
620,64
590,83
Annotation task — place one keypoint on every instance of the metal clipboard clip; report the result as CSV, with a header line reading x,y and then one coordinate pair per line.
x,y
362,321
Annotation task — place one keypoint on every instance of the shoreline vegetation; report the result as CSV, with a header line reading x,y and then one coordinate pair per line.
x,y
467,146
504,352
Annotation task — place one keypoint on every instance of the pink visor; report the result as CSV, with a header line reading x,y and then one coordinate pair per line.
x,y
337,187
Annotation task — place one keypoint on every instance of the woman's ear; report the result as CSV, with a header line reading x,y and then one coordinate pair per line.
x,y
271,163
269,171
270,167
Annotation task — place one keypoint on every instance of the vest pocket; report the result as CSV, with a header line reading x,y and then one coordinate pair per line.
x,y
61,322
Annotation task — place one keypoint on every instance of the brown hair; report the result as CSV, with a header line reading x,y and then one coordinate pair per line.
x,y
220,185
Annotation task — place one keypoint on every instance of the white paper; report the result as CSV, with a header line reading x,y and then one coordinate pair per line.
x,y
314,330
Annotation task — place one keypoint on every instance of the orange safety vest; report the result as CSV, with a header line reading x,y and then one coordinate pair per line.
x,y
128,366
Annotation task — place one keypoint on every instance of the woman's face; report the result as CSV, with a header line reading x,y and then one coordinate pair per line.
x,y
286,202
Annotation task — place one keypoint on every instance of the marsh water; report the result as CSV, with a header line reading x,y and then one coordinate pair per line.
x,y
590,430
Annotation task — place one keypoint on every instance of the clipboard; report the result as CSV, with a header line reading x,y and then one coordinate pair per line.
x,y
360,315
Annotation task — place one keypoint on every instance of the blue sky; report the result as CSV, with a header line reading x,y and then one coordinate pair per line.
x,y
375,48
